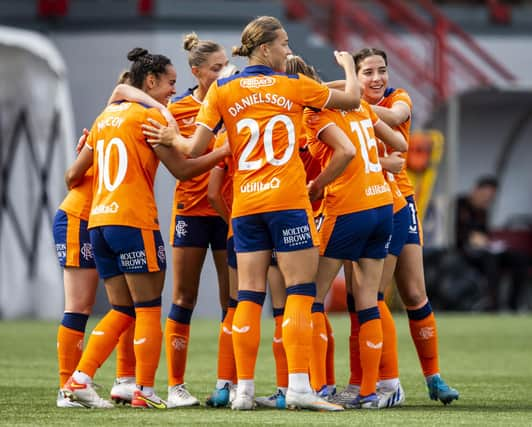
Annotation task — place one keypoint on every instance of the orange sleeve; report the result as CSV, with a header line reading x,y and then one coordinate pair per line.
x,y
372,115
78,200
221,139
316,122
312,93
209,114
402,96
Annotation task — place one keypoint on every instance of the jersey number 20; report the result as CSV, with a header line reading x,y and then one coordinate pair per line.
x,y
253,126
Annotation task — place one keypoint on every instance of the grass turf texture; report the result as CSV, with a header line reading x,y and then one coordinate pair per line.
x,y
487,358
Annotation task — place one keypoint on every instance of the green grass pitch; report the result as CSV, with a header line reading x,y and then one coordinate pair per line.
x,y
487,358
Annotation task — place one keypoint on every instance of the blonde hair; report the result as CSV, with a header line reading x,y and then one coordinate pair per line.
x,y
199,50
295,64
259,31
124,77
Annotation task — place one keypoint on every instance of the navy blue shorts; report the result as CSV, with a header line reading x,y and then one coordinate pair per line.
x,y
415,231
72,241
401,221
119,249
199,232
284,231
364,234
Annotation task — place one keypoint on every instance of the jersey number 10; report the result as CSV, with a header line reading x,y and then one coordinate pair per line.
x,y
104,163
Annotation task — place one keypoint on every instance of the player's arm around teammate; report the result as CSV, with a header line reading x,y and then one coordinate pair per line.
x,y
347,98
170,156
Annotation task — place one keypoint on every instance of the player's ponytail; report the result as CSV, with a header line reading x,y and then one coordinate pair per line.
x,y
241,51
259,31
190,41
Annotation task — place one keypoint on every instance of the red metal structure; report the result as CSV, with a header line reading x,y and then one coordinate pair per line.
x,y
433,55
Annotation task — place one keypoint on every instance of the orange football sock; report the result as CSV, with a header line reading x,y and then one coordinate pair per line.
x,y
176,345
103,340
425,336
297,331
389,368
226,356
370,344
281,364
125,354
69,349
318,355
147,344
329,362
354,351
246,336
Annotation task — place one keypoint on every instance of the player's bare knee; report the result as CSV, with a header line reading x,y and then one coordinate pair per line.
x,y
186,301
413,297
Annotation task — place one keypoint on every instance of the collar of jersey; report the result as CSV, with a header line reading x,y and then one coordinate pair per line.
x,y
188,92
255,70
120,101
252,70
388,91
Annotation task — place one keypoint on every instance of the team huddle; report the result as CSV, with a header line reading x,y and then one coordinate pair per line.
x,y
287,179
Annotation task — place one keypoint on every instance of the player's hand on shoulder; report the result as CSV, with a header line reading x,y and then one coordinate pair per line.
x,y
159,134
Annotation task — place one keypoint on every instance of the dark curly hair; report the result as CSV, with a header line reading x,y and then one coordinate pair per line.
x,y
145,63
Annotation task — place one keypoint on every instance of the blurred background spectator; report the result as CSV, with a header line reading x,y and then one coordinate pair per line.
x,y
491,257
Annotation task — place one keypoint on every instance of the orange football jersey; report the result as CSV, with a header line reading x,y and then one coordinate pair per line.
x,y
361,186
190,197
399,201
227,164
391,96
79,199
124,167
227,186
262,112
312,167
